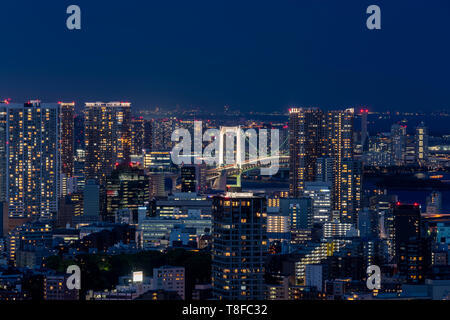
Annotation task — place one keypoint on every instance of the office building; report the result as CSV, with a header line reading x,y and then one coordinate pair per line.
x,y
320,193
126,188
182,205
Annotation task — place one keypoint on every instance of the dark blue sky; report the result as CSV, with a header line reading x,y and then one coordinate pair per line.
x,y
250,54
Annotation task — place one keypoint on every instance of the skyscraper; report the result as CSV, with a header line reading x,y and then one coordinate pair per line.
x,y
67,137
306,141
31,158
137,135
421,144
3,144
348,194
398,144
239,246
364,134
321,149
148,136
107,137
339,132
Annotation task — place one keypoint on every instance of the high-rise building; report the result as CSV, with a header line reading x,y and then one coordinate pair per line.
x,y
67,137
239,246
107,138
162,130
421,144
411,247
321,149
189,178
300,211
398,144
163,173
320,193
364,134
126,188
91,199
3,219
348,195
306,141
148,136
137,135
31,158
3,144
339,132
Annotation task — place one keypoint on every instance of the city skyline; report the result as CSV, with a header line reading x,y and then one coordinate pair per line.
x,y
224,151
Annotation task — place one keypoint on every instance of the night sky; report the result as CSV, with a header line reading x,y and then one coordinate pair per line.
x,y
250,54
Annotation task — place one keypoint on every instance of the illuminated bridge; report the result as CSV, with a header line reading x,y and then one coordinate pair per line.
x,y
243,163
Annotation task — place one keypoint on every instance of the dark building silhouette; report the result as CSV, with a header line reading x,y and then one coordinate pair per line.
x,y
411,245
